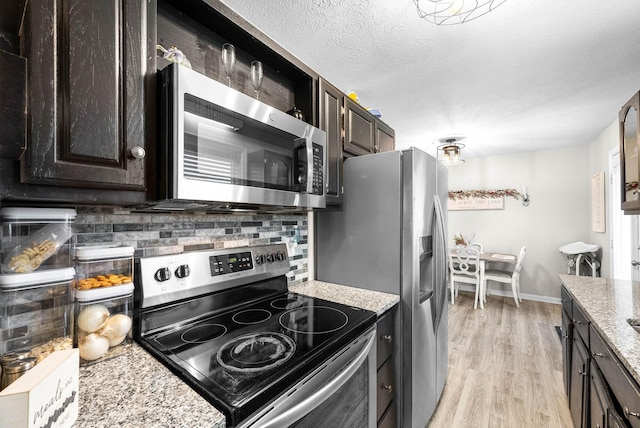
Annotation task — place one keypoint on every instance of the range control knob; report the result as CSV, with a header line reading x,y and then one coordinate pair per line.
x,y
270,258
260,259
162,274
183,271
280,256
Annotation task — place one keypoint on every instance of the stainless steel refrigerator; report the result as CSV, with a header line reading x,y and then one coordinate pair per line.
x,y
390,236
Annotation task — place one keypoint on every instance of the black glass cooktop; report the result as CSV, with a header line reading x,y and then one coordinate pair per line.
x,y
242,359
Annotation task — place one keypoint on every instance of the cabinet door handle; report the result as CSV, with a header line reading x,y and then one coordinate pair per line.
x,y
627,413
577,322
389,388
635,263
580,372
138,152
387,338
599,354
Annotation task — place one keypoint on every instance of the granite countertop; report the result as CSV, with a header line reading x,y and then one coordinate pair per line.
x,y
375,301
609,302
135,390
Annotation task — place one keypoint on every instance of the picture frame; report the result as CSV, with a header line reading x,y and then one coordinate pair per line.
x,y
598,223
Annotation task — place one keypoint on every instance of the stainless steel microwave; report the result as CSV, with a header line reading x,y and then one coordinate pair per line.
x,y
222,149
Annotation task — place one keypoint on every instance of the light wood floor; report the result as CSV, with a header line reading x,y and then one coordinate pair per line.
x,y
505,366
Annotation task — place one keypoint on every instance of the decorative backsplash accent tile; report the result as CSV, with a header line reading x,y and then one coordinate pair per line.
x,y
154,234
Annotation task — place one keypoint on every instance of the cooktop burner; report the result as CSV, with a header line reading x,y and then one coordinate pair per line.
x,y
256,352
252,316
287,303
313,320
203,332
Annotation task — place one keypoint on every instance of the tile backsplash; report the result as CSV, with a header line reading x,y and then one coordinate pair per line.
x,y
170,233
32,317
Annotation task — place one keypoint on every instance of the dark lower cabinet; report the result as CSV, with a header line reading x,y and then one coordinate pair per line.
x,y
601,391
599,398
614,420
578,393
387,414
567,340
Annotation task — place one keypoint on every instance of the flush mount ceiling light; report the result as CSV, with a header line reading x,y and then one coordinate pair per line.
x,y
450,147
449,12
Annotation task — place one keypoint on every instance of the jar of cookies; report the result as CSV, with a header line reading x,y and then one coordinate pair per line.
x,y
100,268
36,239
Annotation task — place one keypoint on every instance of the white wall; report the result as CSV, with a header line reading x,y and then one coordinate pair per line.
x,y
598,162
559,184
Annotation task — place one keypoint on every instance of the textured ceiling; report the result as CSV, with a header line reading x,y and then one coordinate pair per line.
x,y
530,75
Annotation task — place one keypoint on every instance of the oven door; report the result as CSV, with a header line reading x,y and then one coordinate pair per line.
x,y
342,392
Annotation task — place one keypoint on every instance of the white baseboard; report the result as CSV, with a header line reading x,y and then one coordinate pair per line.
x,y
504,293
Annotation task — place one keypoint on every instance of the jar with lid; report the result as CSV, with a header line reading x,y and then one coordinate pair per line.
x,y
36,239
103,322
36,312
14,369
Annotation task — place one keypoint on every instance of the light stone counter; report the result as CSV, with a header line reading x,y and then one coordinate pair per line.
x,y
135,390
609,302
375,301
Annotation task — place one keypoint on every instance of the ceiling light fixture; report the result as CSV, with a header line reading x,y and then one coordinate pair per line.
x,y
451,150
449,12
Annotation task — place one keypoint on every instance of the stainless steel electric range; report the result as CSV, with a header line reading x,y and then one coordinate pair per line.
x,y
224,321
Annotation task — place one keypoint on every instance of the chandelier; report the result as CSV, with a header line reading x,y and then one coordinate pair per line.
x,y
450,147
449,12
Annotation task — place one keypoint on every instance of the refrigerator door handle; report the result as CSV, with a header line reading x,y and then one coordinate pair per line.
x,y
440,258
425,295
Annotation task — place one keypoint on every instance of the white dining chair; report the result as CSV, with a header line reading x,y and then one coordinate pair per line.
x,y
478,246
464,266
507,277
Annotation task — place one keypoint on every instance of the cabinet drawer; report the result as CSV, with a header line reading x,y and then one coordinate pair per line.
x,y
625,390
567,301
390,417
386,387
580,324
385,338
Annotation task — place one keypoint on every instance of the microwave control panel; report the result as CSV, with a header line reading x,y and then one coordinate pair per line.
x,y
317,186
304,169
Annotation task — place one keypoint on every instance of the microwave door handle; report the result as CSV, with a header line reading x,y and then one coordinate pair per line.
x,y
296,412
308,142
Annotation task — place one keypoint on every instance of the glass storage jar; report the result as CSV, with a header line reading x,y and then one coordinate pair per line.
x,y
103,320
102,267
36,239
36,312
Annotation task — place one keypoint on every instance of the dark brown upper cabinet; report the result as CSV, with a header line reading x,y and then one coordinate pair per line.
x,y
358,129
87,73
351,131
385,137
629,117
365,133
330,121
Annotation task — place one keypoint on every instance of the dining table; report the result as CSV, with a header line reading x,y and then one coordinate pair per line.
x,y
490,257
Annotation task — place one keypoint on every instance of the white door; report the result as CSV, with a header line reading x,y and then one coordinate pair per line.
x,y
624,228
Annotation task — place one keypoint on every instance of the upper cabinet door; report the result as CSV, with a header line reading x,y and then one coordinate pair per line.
x,y
385,137
330,121
87,75
358,129
629,159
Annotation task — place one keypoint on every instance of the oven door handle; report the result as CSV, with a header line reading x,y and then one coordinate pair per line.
x,y
307,405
